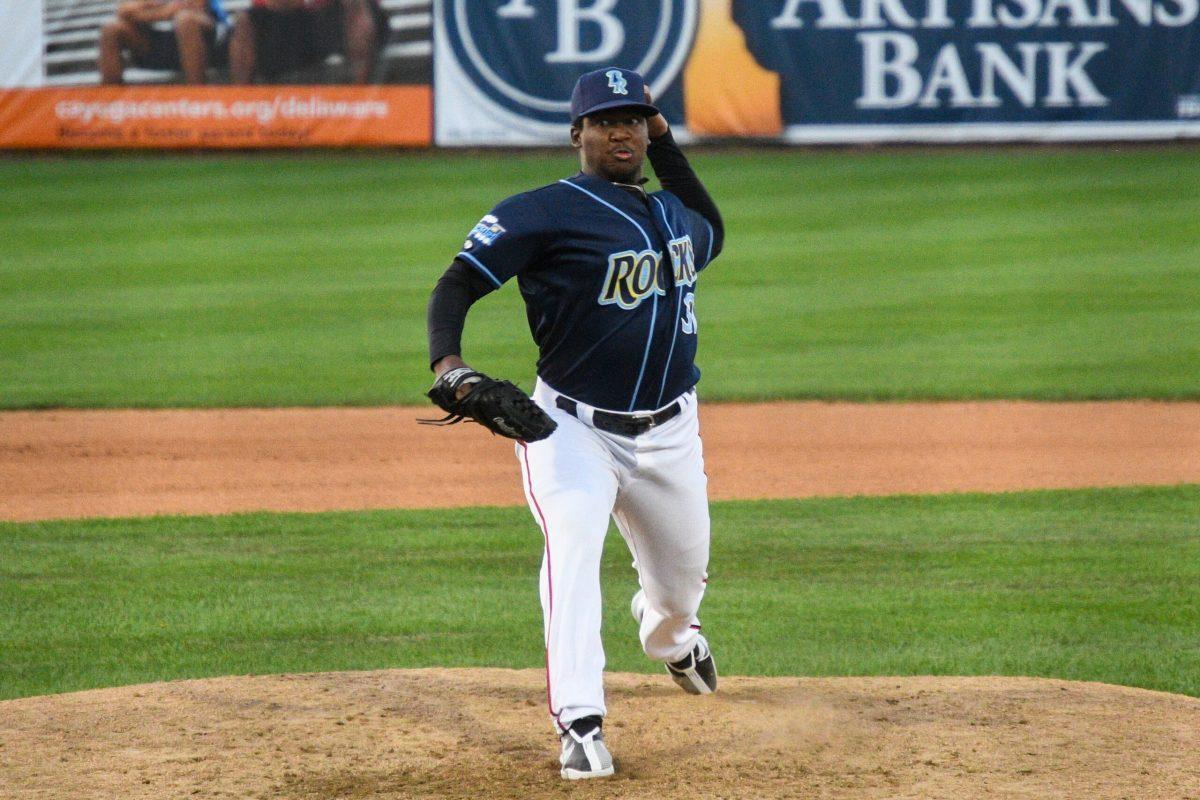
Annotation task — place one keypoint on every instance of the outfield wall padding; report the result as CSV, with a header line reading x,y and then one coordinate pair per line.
x,y
500,72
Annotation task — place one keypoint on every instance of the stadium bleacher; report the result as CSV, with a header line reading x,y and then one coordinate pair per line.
x,y
73,37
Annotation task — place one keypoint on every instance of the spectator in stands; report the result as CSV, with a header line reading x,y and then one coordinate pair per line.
x,y
278,36
187,43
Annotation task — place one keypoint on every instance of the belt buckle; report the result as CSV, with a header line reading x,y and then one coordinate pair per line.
x,y
639,423
631,425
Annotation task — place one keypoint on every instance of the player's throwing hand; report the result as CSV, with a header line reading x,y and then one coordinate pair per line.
x,y
656,125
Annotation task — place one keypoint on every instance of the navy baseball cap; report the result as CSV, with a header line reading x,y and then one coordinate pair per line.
x,y
609,87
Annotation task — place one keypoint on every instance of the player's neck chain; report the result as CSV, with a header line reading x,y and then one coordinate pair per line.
x,y
636,191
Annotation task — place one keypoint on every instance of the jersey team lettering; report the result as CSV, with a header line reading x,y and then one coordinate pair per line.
x,y
683,258
633,276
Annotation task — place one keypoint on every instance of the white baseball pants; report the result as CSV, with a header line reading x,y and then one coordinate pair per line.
x,y
655,488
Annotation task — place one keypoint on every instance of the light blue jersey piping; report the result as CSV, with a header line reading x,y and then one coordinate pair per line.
x,y
678,307
479,265
602,201
637,387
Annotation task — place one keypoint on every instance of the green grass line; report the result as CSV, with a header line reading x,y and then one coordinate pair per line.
x,y
1091,585
302,280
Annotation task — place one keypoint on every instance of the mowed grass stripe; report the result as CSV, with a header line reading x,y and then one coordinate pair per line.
x,y
1091,585
302,280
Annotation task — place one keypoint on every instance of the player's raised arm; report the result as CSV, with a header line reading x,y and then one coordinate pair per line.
x,y
677,176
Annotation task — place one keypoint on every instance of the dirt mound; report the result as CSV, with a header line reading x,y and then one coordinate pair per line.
x,y
485,734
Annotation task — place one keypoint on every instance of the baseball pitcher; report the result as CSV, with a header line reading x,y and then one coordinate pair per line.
x,y
609,273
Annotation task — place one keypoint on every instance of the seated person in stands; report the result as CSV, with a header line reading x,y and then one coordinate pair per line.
x,y
187,46
279,36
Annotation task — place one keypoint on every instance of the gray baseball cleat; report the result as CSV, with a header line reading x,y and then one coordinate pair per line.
x,y
583,752
695,674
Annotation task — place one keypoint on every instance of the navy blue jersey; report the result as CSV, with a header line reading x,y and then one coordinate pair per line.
x,y
609,281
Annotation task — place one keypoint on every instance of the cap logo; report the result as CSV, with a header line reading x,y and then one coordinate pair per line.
x,y
617,82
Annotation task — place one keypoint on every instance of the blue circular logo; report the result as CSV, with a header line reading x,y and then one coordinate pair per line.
x,y
527,54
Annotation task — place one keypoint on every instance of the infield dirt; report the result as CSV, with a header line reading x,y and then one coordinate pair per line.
x,y
474,734
56,464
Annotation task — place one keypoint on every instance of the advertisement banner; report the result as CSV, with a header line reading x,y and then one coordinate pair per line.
x,y
198,73
858,70
215,73
829,70
217,117
504,69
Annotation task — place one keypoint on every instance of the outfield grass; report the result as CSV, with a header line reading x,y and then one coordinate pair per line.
x,y
1094,585
302,280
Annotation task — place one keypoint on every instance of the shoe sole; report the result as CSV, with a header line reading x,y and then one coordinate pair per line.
x,y
690,686
579,775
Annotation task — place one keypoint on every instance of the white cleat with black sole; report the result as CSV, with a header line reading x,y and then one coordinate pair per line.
x,y
697,672
583,752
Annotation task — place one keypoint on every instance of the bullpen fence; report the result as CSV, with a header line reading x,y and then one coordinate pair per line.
x,y
499,72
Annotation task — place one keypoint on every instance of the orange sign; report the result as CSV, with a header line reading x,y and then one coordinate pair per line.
x,y
216,116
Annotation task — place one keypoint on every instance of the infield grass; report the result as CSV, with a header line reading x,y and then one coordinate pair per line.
x,y
302,280
1091,585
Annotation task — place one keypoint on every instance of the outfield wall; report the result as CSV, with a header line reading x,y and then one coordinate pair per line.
x,y
499,72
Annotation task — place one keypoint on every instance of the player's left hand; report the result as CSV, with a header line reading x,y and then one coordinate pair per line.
x,y
499,406
657,125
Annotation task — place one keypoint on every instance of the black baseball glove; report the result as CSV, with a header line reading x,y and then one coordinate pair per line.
x,y
499,406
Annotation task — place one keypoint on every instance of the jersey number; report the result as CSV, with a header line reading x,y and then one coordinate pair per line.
x,y
688,323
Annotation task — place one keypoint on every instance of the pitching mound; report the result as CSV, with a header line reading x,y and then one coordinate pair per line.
x,y
484,734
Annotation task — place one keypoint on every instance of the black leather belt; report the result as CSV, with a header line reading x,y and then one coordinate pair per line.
x,y
622,424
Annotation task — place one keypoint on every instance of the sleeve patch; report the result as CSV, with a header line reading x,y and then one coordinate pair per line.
x,y
486,231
